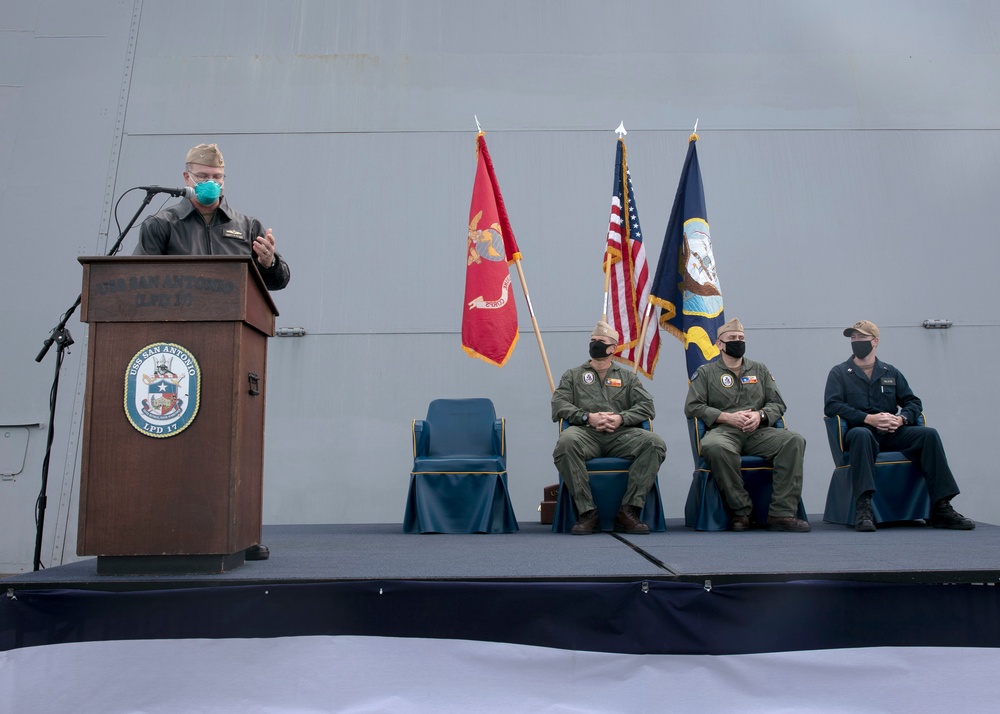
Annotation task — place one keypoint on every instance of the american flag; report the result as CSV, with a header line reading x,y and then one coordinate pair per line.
x,y
628,281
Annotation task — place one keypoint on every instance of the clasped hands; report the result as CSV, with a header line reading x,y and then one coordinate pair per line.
x,y
604,421
884,421
746,421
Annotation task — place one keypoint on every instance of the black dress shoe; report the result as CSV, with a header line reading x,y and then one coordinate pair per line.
x,y
864,521
257,552
944,515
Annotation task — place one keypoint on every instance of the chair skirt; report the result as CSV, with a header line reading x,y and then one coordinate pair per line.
x,y
900,494
705,509
459,503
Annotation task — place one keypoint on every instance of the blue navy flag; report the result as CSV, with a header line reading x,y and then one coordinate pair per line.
x,y
686,285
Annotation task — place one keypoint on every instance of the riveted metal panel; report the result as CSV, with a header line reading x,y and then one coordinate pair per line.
x,y
848,151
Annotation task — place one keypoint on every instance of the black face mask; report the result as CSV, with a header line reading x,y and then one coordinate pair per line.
x,y
600,350
862,349
736,348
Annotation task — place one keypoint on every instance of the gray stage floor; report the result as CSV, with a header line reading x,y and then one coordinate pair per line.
x,y
321,553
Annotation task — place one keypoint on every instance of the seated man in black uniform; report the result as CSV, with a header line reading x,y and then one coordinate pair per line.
x,y
881,412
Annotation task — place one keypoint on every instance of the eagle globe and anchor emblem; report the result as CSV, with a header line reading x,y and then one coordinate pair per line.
x,y
487,243
162,389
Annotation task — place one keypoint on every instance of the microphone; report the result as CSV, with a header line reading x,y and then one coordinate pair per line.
x,y
186,192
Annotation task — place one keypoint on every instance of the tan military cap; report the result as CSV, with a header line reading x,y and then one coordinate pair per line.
x,y
865,327
205,155
733,325
603,329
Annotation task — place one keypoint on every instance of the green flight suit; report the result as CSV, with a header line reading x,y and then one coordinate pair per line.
x,y
581,391
715,389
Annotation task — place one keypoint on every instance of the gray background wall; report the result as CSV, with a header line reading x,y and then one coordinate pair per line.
x,y
849,153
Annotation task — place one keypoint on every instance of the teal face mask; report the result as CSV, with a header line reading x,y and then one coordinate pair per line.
x,y
207,192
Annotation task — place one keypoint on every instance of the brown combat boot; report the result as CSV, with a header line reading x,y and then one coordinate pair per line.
x,y
740,524
627,519
588,523
789,524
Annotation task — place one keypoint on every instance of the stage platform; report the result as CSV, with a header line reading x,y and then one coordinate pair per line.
x,y
902,553
678,592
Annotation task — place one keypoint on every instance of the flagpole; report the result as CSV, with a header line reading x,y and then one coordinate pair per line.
x,y
534,324
607,284
620,133
642,337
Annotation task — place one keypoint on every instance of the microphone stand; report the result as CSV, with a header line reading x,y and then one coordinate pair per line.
x,y
61,337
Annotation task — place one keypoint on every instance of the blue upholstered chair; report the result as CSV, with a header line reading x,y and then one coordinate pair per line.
x,y
608,481
705,509
900,488
459,479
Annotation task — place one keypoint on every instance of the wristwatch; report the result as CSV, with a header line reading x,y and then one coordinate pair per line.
x,y
763,416
905,419
586,417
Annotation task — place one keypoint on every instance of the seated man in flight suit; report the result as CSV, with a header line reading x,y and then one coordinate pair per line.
x,y
602,401
738,400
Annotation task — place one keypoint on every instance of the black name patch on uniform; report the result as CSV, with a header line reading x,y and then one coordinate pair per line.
x,y
888,381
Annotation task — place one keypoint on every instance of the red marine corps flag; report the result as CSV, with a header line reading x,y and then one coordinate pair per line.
x,y
489,320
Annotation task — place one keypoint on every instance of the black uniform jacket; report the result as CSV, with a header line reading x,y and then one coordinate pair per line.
x,y
852,396
180,230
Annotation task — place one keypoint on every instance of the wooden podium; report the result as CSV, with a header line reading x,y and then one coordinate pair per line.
x,y
173,429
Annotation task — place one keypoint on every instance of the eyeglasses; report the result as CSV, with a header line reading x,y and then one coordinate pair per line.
x,y
218,178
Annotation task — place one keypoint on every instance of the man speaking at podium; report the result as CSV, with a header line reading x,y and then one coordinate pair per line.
x,y
206,225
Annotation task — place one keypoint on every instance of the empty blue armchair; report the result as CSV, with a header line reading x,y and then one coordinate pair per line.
x,y
459,479
900,487
705,509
